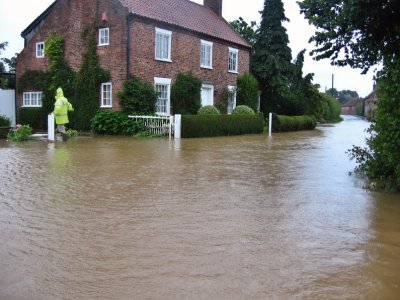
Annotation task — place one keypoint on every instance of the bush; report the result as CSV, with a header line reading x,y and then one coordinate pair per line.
x,y
35,117
247,91
243,110
331,109
208,110
138,97
222,103
114,123
194,126
282,123
4,121
22,133
186,94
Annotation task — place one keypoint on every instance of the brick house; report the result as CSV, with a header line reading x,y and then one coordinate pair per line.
x,y
151,39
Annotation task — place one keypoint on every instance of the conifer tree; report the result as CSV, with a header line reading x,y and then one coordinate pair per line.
x,y
271,62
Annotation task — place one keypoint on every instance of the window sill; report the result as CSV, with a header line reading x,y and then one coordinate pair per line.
x,y
233,72
102,45
31,106
106,106
164,60
205,67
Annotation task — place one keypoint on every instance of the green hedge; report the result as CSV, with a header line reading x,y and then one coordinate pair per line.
x,y
282,123
35,117
194,126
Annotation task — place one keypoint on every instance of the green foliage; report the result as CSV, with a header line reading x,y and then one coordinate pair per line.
x,y
22,133
243,110
247,91
353,32
381,160
186,94
331,109
138,97
223,99
72,133
32,80
208,110
114,123
87,84
293,123
35,117
248,32
59,74
194,126
343,96
4,121
271,62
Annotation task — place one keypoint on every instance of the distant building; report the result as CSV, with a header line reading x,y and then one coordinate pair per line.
x,y
371,104
353,107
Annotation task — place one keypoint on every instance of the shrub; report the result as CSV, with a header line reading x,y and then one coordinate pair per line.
x,y
282,123
138,97
331,109
186,94
247,91
22,133
223,99
35,117
4,121
243,110
114,123
194,126
208,110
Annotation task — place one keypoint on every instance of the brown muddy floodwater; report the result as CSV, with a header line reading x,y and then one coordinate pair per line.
x,y
246,217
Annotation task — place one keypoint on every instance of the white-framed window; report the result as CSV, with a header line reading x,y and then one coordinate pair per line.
x,y
104,36
207,94
163,44
163,89
233,60
106,94
32,99
40,49
206,52
231,98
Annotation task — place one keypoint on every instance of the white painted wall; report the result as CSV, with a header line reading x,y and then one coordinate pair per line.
x,y
7,105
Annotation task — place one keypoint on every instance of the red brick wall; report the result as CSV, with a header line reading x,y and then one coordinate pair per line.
x,y
185,56
70,17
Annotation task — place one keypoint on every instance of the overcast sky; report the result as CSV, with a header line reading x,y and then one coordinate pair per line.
x,y
16,15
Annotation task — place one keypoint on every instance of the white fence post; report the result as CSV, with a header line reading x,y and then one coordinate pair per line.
x,y
270,124
177,126
50,128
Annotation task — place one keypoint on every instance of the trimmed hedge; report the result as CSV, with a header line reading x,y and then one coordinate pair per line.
x,y
243,110
282,123
35,117
194,126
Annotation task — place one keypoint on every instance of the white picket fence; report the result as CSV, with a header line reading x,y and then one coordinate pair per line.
x,y
160,125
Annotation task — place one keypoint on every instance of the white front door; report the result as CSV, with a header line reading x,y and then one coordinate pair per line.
x,y
207,95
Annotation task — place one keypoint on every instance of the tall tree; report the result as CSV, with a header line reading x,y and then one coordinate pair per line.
x,y
271,63
247,31
362,33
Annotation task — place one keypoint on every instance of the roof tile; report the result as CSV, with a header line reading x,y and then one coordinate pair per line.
x,y
185,14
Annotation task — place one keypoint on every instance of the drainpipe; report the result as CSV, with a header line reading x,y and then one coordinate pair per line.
x,y
129,19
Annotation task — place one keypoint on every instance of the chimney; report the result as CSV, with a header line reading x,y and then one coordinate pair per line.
x,y
215,5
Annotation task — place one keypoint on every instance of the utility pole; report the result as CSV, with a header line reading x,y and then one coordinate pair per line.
x,y
333,77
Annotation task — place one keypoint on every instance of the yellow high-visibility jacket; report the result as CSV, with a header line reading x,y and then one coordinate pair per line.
x,y
61,108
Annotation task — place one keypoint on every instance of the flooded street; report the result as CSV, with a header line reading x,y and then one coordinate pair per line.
x,y
247,217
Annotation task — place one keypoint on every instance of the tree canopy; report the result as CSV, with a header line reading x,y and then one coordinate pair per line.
x,y
358,33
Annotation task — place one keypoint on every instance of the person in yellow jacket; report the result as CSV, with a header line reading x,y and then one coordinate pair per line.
x,y
61,108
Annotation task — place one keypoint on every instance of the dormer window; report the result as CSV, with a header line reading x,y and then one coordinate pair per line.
x,y
104,36
40,50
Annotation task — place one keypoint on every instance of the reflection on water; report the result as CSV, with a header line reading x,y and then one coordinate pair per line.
x,y
222,218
